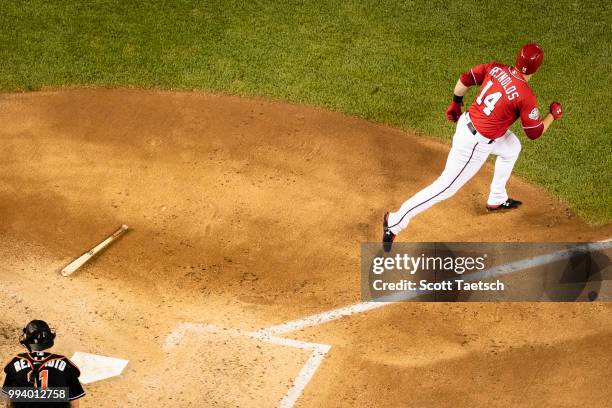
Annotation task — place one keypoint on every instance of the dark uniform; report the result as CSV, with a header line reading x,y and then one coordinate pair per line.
x,y
43,370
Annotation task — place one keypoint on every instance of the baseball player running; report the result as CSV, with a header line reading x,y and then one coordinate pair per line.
x,y
504,96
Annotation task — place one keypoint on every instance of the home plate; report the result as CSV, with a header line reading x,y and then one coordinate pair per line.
x,y
95,368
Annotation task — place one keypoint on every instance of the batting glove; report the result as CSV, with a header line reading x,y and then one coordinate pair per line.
x,y
556,110
454,111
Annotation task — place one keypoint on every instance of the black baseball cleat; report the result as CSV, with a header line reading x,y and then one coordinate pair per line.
x,y
510,204
388,236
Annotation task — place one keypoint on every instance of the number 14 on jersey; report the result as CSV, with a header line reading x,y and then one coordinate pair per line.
x,y
490,100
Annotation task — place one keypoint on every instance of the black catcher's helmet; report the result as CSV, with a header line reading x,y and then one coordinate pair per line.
x,y
37,336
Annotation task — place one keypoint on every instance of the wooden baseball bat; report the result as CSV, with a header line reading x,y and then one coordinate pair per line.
x,y
81,260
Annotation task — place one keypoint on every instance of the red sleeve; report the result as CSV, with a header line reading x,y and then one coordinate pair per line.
x,y
475,75
530,118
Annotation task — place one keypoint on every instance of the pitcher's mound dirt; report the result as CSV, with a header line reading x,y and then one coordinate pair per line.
x,y
244,213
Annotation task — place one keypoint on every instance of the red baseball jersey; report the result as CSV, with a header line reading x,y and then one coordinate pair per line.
x,y
503,98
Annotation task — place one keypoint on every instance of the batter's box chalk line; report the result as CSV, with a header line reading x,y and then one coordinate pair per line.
x,y
319,351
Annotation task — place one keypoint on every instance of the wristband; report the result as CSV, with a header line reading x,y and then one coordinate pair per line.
x,y
458,99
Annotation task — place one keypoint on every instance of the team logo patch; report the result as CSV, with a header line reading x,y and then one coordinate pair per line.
x,y
534,114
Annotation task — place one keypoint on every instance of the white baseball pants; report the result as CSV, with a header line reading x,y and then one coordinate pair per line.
x,y
467,155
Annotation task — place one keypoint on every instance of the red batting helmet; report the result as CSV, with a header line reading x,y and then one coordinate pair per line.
x,y
529,58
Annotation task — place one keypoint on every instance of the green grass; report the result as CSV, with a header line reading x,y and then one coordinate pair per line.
x,y
389,61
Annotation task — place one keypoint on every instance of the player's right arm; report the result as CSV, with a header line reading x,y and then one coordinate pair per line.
x,y
471,77
75,389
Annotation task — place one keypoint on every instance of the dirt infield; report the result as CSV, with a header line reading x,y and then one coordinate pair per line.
x,y
246,214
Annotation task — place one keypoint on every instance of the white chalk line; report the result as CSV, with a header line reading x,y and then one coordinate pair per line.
x,y
300,381
319,351
173,339
505,269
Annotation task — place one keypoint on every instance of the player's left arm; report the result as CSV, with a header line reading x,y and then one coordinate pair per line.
x,y
8,382
533,125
